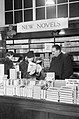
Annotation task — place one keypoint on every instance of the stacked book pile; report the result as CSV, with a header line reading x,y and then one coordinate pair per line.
x,y
29,91
78,95
10,90
46,63
26,91
50,76
37,92
52,94
2,89
10,86
14,87
67,94
17,93
73,83
43,94
59,83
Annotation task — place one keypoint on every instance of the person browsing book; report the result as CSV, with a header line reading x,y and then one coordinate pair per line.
x,y
34,69
8,63
61,63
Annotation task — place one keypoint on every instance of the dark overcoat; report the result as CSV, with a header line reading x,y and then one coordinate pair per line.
x,y
62,66
8,64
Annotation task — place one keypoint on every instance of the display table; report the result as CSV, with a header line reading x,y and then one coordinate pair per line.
x,y
23,108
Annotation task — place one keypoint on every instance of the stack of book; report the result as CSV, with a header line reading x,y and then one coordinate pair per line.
x,y
29,91
2,89
10,87
50,76
17,93
10,90
37,92
52,94
43,94
67,94
46,63
59,83
78,95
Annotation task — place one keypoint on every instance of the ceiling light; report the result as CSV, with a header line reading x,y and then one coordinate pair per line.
x,y
50,2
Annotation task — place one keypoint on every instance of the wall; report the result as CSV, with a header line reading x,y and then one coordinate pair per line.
x,y
2,20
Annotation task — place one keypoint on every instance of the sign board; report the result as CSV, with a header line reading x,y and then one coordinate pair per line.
x,y
42,25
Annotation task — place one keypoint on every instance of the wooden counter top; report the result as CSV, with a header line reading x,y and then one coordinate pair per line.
x,y
21,103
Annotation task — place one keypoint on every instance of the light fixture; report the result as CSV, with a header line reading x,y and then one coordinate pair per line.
x,y
50,2
62,32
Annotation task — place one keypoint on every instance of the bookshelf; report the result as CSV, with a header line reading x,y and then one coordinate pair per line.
x,y
42,48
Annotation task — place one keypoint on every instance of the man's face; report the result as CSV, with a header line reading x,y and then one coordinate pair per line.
x,y
11,57
55,52
30,59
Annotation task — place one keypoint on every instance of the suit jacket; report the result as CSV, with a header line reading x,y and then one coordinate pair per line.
x,y
62,66
8,64
23,68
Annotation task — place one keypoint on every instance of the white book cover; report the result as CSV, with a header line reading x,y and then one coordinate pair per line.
x,y
31,68
13,74
1,72
1,69
50,76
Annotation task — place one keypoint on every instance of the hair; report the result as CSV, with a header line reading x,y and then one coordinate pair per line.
x,y
21,57
30,54
57,47
9,53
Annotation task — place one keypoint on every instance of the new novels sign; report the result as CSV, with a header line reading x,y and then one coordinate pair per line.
x,y
42,25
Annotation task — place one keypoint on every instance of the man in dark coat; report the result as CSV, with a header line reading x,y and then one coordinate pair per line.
x,y
61,63
8,63
23,65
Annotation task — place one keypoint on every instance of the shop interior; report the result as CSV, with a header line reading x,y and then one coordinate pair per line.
x,y
21,98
